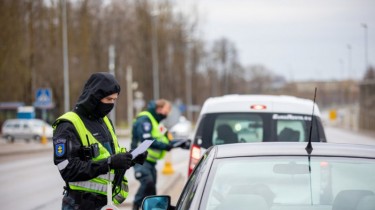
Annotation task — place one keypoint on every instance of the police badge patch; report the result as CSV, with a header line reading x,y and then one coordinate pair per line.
x,y
59,150
60,147
146,126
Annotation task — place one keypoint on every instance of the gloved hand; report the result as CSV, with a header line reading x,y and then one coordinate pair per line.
x,y
140,159
121,161
186,144
169,146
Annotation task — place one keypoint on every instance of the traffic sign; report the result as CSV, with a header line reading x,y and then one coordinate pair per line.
x,y
43,97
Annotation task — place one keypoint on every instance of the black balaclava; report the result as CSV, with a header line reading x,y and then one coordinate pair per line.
x,y
98,86
151,107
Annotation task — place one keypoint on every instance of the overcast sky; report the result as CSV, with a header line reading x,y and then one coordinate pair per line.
x,y
299,39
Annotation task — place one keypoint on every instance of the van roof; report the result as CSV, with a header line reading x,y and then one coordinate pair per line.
x,y
268,104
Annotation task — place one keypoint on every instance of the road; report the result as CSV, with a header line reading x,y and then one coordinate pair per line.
x,y
338,135
31,181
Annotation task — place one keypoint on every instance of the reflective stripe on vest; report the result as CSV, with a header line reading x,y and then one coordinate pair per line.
x,y
99,183
155,154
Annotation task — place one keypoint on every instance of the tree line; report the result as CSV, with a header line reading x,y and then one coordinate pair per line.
x,y
31,54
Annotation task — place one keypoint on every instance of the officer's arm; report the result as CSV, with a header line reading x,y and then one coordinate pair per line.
x,y
144,129
68,156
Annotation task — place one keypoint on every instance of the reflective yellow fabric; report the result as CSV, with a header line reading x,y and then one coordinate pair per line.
x,y
155,154
98,184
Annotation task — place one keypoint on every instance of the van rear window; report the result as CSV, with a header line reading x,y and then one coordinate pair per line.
x,y
225,128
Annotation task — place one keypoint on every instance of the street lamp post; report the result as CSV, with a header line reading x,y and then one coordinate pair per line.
x,y
188,75
364,25
155,59
111,68
129,82
349,60
65,58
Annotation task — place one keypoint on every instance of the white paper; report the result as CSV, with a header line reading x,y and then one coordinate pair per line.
x,y
141,148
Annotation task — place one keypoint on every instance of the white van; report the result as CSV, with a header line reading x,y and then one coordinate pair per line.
x,y
26,129
254,118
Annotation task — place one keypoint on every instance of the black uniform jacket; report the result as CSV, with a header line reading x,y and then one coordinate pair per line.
x,y
142,129
68,149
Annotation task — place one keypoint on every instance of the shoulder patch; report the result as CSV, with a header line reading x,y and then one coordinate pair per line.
x,y
60,148
146,126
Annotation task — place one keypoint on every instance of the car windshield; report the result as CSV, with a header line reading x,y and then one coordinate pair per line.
x,y
285,183
224,128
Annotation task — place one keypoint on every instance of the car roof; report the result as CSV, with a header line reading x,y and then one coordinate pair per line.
x,y
22,120
294,149
273,103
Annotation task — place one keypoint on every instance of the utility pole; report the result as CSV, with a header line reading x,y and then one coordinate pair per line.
x,y
364,25
65,58
155,59
188,76
349,61
111,67
129,83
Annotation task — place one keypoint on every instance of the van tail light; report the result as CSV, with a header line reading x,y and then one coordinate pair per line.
x,y
195,154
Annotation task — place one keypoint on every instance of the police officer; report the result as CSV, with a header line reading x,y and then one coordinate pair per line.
x,y
146,126
86,148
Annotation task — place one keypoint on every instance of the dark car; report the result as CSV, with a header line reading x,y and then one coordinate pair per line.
x,y
254,118
279,176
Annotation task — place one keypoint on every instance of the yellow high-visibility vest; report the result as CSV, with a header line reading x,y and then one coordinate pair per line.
x,y
98,184
155,154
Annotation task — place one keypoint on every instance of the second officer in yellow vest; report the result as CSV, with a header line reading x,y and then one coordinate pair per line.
x,y
86,148
146,126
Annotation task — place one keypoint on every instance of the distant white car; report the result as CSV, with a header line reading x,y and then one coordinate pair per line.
x,y
182,129
26,129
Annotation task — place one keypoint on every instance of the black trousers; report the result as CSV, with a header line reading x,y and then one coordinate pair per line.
x,y
146,175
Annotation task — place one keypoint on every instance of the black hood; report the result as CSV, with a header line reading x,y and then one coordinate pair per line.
x,y
98,86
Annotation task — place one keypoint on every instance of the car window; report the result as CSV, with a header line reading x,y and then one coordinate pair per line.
x,y
286,181
234,128
291,130
195,178
9,125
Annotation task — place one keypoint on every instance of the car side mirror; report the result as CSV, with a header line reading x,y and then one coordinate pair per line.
x,y
159,202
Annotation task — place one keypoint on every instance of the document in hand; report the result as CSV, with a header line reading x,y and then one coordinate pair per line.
x,y
178,142
142,148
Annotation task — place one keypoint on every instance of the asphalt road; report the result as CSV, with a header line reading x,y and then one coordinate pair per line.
x,y
30,181
31,177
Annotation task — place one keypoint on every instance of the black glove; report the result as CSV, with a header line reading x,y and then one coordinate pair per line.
x,y
186,144
140,159
121,161
169,147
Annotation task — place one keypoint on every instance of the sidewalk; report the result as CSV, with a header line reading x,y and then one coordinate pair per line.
x,y
23,147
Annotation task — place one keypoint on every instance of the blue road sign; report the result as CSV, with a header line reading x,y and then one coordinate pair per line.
x,y
43,97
